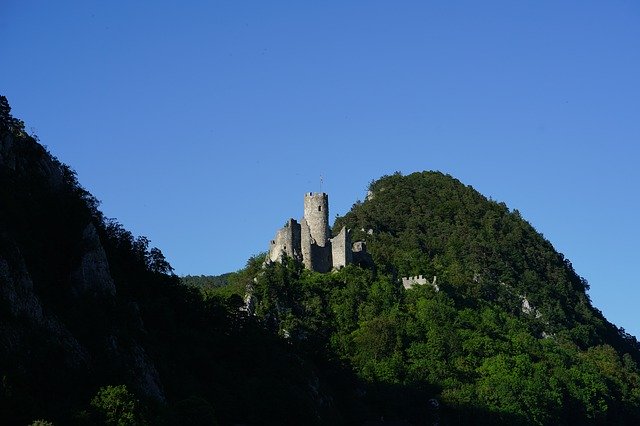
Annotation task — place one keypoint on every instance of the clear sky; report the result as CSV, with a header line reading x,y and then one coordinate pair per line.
x,y
201,124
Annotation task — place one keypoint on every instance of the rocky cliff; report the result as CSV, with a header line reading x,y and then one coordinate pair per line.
x,y
95,328
59,304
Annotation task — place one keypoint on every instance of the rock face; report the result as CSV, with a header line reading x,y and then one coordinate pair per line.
x,y
17,289
26,318
17,292
58,318
92,277
7,157
27,156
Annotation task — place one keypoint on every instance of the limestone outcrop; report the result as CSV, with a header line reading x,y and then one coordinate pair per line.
x,y
92,277
56,282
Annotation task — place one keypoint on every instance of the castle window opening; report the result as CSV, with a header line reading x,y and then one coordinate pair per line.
x,y
319,208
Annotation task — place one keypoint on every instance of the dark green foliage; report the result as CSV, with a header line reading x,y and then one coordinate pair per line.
x,y
471,345
7,122
209,281
194,411
429,223
203,347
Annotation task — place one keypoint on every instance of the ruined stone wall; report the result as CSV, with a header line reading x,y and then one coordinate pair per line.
x,y
341,249
359,254
306,242
309,241
287,241
316,213
321,257
359,246
409,282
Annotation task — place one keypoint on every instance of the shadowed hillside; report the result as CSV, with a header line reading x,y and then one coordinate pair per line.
x,y
93,324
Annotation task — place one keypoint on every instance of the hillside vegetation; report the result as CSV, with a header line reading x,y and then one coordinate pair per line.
x,y
206,280
509,335
96,329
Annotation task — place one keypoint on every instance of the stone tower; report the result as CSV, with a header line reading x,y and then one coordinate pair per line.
x,y
316,214
310,240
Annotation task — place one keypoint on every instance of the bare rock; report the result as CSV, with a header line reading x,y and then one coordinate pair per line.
x,y
7,156
92,277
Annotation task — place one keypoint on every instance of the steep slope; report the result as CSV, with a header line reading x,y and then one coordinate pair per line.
x,y
431,224
506,335
95,328
59,303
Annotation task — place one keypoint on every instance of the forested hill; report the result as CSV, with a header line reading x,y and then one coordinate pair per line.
x,y
431,224
96,329
206,280
506,335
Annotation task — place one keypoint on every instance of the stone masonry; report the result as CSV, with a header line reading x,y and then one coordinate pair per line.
x,y
409,282
310,240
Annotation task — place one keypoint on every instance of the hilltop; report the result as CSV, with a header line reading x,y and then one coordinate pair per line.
x,y
507,335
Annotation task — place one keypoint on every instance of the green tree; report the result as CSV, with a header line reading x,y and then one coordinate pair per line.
x,y
116,406
7,121
156,262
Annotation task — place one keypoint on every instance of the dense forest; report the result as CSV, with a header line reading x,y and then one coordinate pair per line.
x,y
206,280
96,329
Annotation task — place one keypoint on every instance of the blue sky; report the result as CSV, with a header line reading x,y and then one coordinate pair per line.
x,y
201,125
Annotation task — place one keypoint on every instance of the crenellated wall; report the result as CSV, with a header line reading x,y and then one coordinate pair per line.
x,y
409,282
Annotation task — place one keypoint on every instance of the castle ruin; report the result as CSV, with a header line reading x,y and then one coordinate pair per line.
x,y
410,282
310,240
